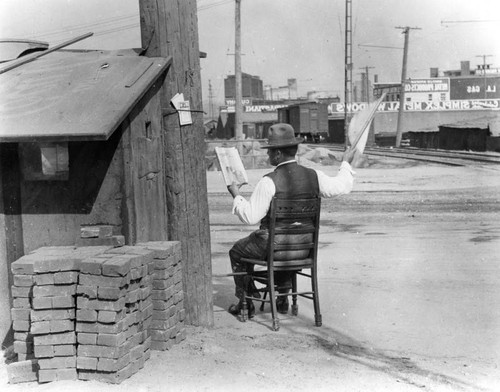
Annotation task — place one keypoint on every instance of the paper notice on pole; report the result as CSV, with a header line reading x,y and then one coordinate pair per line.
x,y
231,166
183,108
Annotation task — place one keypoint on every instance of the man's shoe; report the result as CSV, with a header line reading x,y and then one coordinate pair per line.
x,y
235,309
282,305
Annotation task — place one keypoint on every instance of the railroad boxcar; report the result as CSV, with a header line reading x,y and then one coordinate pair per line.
x,y
308,119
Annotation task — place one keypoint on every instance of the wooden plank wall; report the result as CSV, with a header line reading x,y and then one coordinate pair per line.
x,y
170,28
52,211
144,185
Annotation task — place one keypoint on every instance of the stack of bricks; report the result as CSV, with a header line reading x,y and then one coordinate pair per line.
x,y
114,312
27,367
44,310
167,326
94,313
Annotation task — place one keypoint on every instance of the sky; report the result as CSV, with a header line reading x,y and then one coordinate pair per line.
x,y
282,39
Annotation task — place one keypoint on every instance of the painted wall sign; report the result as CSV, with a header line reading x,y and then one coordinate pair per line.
x,y
232,102
427,85
475,88
459,104
262,108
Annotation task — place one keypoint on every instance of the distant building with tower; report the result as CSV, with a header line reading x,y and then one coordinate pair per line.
x,y
251,86
262,104
289,91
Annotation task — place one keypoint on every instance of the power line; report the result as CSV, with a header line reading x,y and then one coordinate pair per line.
x,y
87,26
208,6
445,22
379,46
110,21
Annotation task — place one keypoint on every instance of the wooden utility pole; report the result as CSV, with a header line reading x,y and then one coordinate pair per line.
x,y
170,28
347,68
238,105
399,130
211,111
485,66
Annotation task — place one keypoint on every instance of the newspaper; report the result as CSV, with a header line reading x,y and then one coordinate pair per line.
x,y
360,124
231,166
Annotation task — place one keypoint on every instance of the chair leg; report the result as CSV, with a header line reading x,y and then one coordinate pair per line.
x,y
314,284
272,298
244,308
295,307
263,303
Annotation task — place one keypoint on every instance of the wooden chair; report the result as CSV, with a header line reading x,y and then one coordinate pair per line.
x,y
291,247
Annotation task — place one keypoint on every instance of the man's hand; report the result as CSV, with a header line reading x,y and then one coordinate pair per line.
x,y
349,155
234,189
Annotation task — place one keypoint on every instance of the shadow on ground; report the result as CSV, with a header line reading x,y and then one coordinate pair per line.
x,y
299,334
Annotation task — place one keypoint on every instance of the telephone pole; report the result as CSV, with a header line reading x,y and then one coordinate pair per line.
x,y
485,66
166,26
399,130
238,105
210,101
347,68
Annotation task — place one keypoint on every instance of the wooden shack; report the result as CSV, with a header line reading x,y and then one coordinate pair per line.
x,y
80,146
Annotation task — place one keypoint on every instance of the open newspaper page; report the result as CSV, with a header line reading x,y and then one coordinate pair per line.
x,y
360,124
231,165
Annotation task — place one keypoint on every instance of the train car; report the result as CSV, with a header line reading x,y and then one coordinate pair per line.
x,y
308,119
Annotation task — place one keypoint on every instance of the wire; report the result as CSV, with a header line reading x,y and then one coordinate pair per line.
x,y
87,26
208,6
109,21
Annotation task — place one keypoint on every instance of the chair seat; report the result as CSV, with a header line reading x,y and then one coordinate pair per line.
x,y
283,265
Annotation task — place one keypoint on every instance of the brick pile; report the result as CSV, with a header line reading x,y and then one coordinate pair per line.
x,y
167,327
94,313
114,312
43,310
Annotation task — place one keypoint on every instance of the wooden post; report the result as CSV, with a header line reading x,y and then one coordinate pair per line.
x,y
170,28
402,100
11,232
238,96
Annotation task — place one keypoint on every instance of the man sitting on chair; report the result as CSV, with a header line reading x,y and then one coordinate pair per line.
x,y
288,181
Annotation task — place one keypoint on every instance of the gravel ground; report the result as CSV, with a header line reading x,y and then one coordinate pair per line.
x,y
409,287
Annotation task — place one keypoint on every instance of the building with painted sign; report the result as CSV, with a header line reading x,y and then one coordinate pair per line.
x,y
457,97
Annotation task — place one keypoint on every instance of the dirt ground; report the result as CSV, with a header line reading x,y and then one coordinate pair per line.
x,y
409,287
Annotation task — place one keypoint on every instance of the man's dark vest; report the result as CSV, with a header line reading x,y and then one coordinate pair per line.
x,y
292,181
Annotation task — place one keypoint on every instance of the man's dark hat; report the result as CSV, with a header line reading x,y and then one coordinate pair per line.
x,y
280,136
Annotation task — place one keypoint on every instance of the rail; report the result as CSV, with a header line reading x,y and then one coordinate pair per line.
x,y
445,157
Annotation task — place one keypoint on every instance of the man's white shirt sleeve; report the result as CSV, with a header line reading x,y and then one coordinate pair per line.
x,y
252,211
341,184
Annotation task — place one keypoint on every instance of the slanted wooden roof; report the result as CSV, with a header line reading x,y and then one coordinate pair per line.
x,y
73,96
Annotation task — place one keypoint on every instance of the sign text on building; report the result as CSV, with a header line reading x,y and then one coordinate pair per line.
x,y
459,104
427,85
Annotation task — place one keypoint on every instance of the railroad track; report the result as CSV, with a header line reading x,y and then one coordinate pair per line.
x,y
452,158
